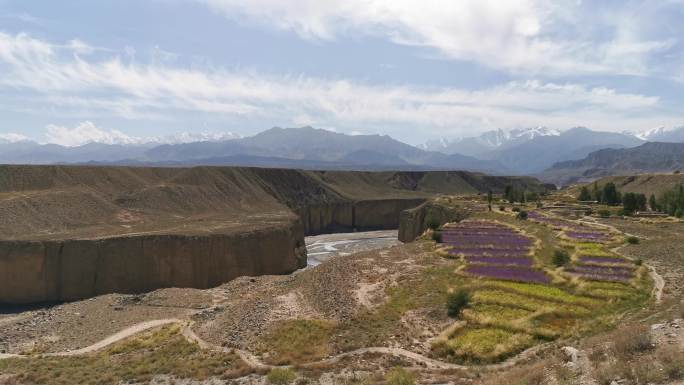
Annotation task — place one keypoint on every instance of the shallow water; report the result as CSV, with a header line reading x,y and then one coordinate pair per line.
x,y
320,248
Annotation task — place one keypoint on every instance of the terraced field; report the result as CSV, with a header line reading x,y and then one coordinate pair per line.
x,y
520,299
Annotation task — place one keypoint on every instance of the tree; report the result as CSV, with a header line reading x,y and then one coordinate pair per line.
x,y
629,203
596,193
507,192
652,203
610,195
641,202
584,194
456,302
489,199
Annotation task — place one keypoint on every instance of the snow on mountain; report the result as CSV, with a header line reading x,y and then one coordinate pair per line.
x,y
490,140
652,133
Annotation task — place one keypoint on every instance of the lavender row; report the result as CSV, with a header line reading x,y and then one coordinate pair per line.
x,y
606,260
508,273
517,261
604,270
489,252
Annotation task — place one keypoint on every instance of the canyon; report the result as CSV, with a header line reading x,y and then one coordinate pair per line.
x,y
74,232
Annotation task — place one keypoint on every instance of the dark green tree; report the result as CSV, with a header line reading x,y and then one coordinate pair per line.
x,y
596,193
610,195
489,199
584,194
653,203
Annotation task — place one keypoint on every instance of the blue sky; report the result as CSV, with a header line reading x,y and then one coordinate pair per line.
x,y
124,71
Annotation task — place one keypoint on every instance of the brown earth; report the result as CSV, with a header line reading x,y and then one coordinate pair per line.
x,y
70,232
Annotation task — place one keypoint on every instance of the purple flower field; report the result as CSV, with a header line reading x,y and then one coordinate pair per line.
x,y
587,236
508,273
484,252
493,251
602,270
517,261
602,277
602,260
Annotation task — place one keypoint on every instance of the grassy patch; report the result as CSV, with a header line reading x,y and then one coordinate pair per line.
x,y
298,340
549,293
480,345
164,351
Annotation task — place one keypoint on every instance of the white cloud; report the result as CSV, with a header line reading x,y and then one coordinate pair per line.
x,y
94,86
521,36
12,137
87,132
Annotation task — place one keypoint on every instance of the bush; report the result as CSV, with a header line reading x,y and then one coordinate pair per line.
x,y
522,215
432,223
560,257
603,213
632,240
456,302
502,208
400,376
281,376
437,236
516,209
633,340
638,262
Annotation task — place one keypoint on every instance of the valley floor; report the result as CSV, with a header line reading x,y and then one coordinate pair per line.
x,y
365,305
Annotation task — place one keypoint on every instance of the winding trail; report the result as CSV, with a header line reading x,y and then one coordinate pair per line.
x,y
256,363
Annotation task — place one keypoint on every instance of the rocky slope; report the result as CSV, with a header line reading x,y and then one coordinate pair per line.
x,y
647,158
70,232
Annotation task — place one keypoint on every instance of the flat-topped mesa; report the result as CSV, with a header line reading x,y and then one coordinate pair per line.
x,y
72,232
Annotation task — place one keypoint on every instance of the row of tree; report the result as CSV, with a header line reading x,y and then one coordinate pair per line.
x,y
514,194
670,202
608,195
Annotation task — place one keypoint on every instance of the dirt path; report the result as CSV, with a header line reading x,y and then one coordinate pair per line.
x,y
256,363
658,284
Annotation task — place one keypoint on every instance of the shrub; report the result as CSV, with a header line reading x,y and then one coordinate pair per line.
x,y
631,341
540,205
522,215
672,362
632,240
456,302
437,236
560,257
603,213
638,262
502,208
400,376
432,223
516,209
281,376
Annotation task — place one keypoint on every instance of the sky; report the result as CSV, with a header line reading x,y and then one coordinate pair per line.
x,y
129,71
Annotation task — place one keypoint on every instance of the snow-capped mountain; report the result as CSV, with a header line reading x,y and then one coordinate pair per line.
x,y
488,141
662,134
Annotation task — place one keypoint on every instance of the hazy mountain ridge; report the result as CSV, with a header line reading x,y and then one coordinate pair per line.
x,y
650,157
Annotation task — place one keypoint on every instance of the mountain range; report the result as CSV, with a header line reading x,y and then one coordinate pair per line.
x,y
534,151
650,157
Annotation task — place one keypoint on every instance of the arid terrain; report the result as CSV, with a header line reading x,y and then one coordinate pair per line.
x,y
550,298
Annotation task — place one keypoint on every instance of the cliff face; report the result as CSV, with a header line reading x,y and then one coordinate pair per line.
x,y
413,222
37,271
70,232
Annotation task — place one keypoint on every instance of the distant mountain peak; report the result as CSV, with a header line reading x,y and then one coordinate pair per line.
x,y
488,140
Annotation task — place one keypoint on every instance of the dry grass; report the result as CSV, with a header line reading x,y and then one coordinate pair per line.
x,y
297,341
164,351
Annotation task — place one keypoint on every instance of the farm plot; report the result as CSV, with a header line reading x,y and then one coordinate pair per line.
x,y
493,250
517,302
592,260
